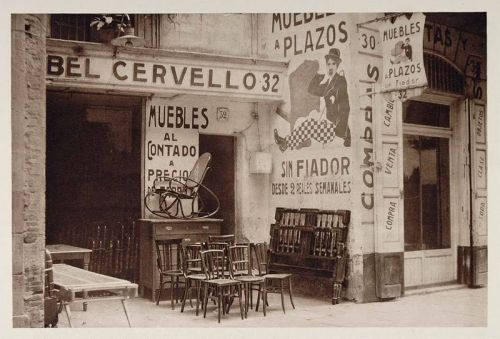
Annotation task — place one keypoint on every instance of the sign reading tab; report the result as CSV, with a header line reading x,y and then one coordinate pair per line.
x,y
402,47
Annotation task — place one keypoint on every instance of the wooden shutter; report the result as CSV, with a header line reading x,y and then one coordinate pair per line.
x,y
388,183
478,156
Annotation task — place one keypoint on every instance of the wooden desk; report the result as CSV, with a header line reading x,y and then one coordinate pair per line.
x,y
190,231
71,280
61,252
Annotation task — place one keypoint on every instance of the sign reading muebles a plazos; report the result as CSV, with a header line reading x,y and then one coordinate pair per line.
x,y
402,47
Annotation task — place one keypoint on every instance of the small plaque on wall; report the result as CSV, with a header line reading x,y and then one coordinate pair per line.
x,y
222,113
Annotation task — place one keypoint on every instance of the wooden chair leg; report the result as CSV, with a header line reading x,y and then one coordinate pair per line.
x,y
251,296
198,292
258,299
186,291
205,301
282,299
290,291
241,301
264,297
172,291
158,292
219,302
248,293
187,282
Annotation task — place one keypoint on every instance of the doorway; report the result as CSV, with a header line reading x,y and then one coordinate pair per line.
x,y
220,178
93,165
430,246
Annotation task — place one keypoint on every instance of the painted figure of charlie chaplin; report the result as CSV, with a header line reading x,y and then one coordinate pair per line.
x,y
333,88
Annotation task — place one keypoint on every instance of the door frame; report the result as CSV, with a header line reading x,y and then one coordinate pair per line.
x,y
451,135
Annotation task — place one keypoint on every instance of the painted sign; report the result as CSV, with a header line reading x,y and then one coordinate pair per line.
x,y
480,118
164,75
312,160
369,71
312,179
390,230
481,217
171,139
402,46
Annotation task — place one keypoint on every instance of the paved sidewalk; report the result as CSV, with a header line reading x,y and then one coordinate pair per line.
x,y
462,307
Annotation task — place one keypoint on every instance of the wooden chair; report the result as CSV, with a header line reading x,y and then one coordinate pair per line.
x,y
168,259
52,304
274,282
241,269
227,238
217,285
192,270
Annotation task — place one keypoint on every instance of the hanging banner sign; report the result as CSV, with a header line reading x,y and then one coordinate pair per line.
x,y
402,48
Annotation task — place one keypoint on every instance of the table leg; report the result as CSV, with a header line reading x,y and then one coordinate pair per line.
x,y
126,313
67,311
86,261
85,295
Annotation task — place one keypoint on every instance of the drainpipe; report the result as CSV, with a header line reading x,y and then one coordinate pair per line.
x,y
471,191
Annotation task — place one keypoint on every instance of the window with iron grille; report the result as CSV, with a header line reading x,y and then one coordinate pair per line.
x,y
77,27
442,76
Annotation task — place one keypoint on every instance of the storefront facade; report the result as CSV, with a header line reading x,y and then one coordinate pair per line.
x,y
281,134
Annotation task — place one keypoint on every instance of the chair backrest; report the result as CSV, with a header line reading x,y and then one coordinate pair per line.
x,y
168,254
227,238
261,256
191,258
239,259
213,264
198,172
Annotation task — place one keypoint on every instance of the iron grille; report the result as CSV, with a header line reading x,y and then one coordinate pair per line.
x,y
71,26
442,76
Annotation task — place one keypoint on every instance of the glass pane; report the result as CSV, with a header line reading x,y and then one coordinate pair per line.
x,y
411,164
426,193
425,113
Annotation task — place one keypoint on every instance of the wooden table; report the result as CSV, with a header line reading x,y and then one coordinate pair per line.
x,y
71,280
61,252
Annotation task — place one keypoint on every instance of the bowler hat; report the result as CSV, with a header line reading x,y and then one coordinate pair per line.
x,y
334,54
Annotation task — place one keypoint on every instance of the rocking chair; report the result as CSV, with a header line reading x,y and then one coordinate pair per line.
x,y
179,197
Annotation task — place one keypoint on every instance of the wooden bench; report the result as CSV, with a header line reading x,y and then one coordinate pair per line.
x,y
310,242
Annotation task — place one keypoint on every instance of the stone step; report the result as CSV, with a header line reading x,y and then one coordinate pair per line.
x,y
433,289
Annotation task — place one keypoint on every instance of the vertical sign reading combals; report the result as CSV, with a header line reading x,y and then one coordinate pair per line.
x,y
171,139
402,46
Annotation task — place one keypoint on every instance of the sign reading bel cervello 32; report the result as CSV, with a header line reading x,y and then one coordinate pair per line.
x,y
402,47
165,75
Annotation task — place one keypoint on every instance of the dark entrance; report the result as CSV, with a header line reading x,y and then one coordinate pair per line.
x,y
93,171
220,177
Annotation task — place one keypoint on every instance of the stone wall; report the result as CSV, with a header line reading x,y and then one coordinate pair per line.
x,y
28,168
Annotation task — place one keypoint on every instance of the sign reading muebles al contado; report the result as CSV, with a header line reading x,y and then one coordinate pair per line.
x,y
402,47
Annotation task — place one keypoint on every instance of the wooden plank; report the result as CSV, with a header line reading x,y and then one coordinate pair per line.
x,y
77,280
63,248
